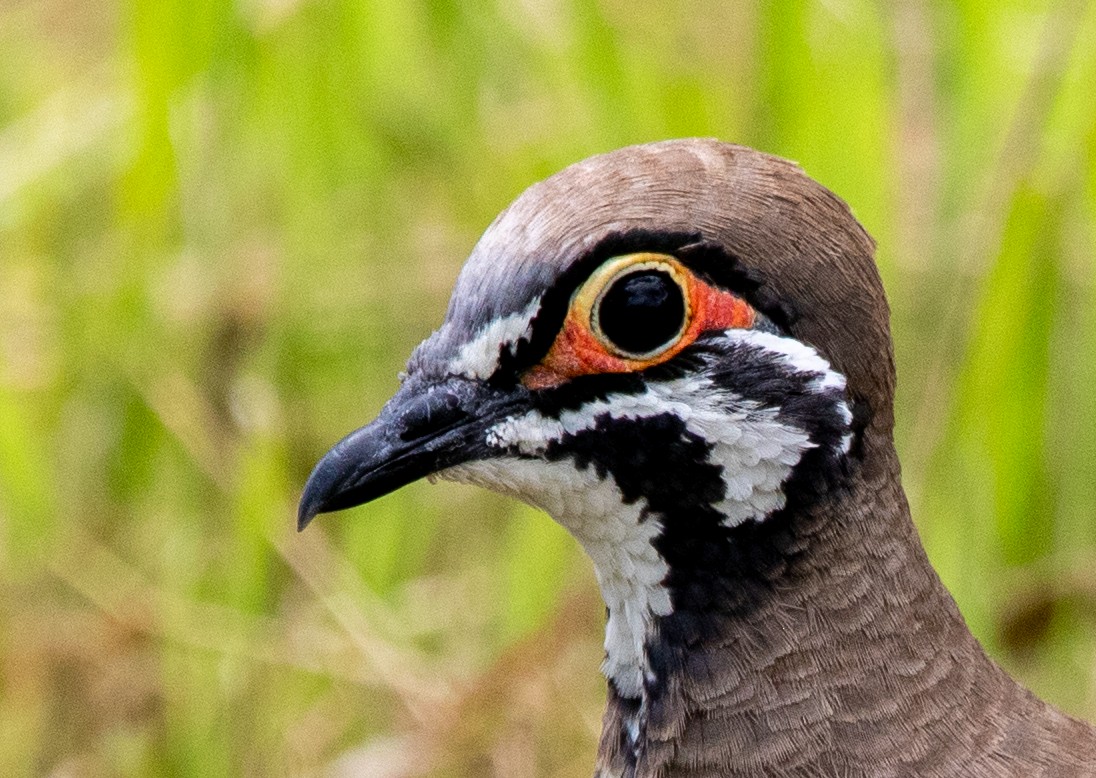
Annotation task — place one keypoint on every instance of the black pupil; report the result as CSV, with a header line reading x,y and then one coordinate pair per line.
x,y
642,311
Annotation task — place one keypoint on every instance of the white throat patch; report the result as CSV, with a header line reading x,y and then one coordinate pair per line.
x,y
615,535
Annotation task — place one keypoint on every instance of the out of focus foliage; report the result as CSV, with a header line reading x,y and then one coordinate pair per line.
x,y
225,223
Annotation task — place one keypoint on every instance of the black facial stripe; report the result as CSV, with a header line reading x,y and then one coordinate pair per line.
x,y
652,457
584,389
746,370
708,260
763,323
755,373
713,263
693,360
546,324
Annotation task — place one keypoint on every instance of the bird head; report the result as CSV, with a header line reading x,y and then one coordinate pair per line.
x,y
673,349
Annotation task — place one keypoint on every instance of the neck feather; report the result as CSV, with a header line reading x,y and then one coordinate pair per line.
x,y
830,647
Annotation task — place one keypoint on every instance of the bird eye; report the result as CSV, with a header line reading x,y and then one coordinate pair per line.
x,y
635,311
641,311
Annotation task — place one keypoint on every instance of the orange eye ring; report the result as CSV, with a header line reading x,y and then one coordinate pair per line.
x,y
588,300
582,348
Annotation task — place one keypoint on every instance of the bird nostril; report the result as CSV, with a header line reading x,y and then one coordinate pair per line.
x,y
432,412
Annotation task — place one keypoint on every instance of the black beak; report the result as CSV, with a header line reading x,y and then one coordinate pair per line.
x,y
424,428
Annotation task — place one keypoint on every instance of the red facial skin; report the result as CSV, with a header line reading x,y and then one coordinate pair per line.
x,y
577,351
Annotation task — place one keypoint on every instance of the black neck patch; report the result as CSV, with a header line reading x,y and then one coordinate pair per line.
x,y
658,458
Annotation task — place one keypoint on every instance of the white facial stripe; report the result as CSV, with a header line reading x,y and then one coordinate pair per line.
x,y
795,354
615,535
757,451
479,357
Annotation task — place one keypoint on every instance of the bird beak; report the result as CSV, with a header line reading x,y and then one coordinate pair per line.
x,y
425,428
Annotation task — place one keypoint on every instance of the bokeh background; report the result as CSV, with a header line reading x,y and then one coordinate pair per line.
x,y
225,223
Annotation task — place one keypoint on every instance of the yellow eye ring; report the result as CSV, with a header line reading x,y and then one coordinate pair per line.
x,y
658,329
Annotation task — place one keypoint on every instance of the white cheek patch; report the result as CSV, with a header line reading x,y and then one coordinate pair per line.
x,y
756,450
616,536
794,354
479,357
757,454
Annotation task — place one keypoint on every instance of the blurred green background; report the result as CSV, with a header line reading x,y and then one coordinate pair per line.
x,y
225,223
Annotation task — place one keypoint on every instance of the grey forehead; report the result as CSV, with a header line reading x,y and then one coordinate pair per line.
x,y
506,275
